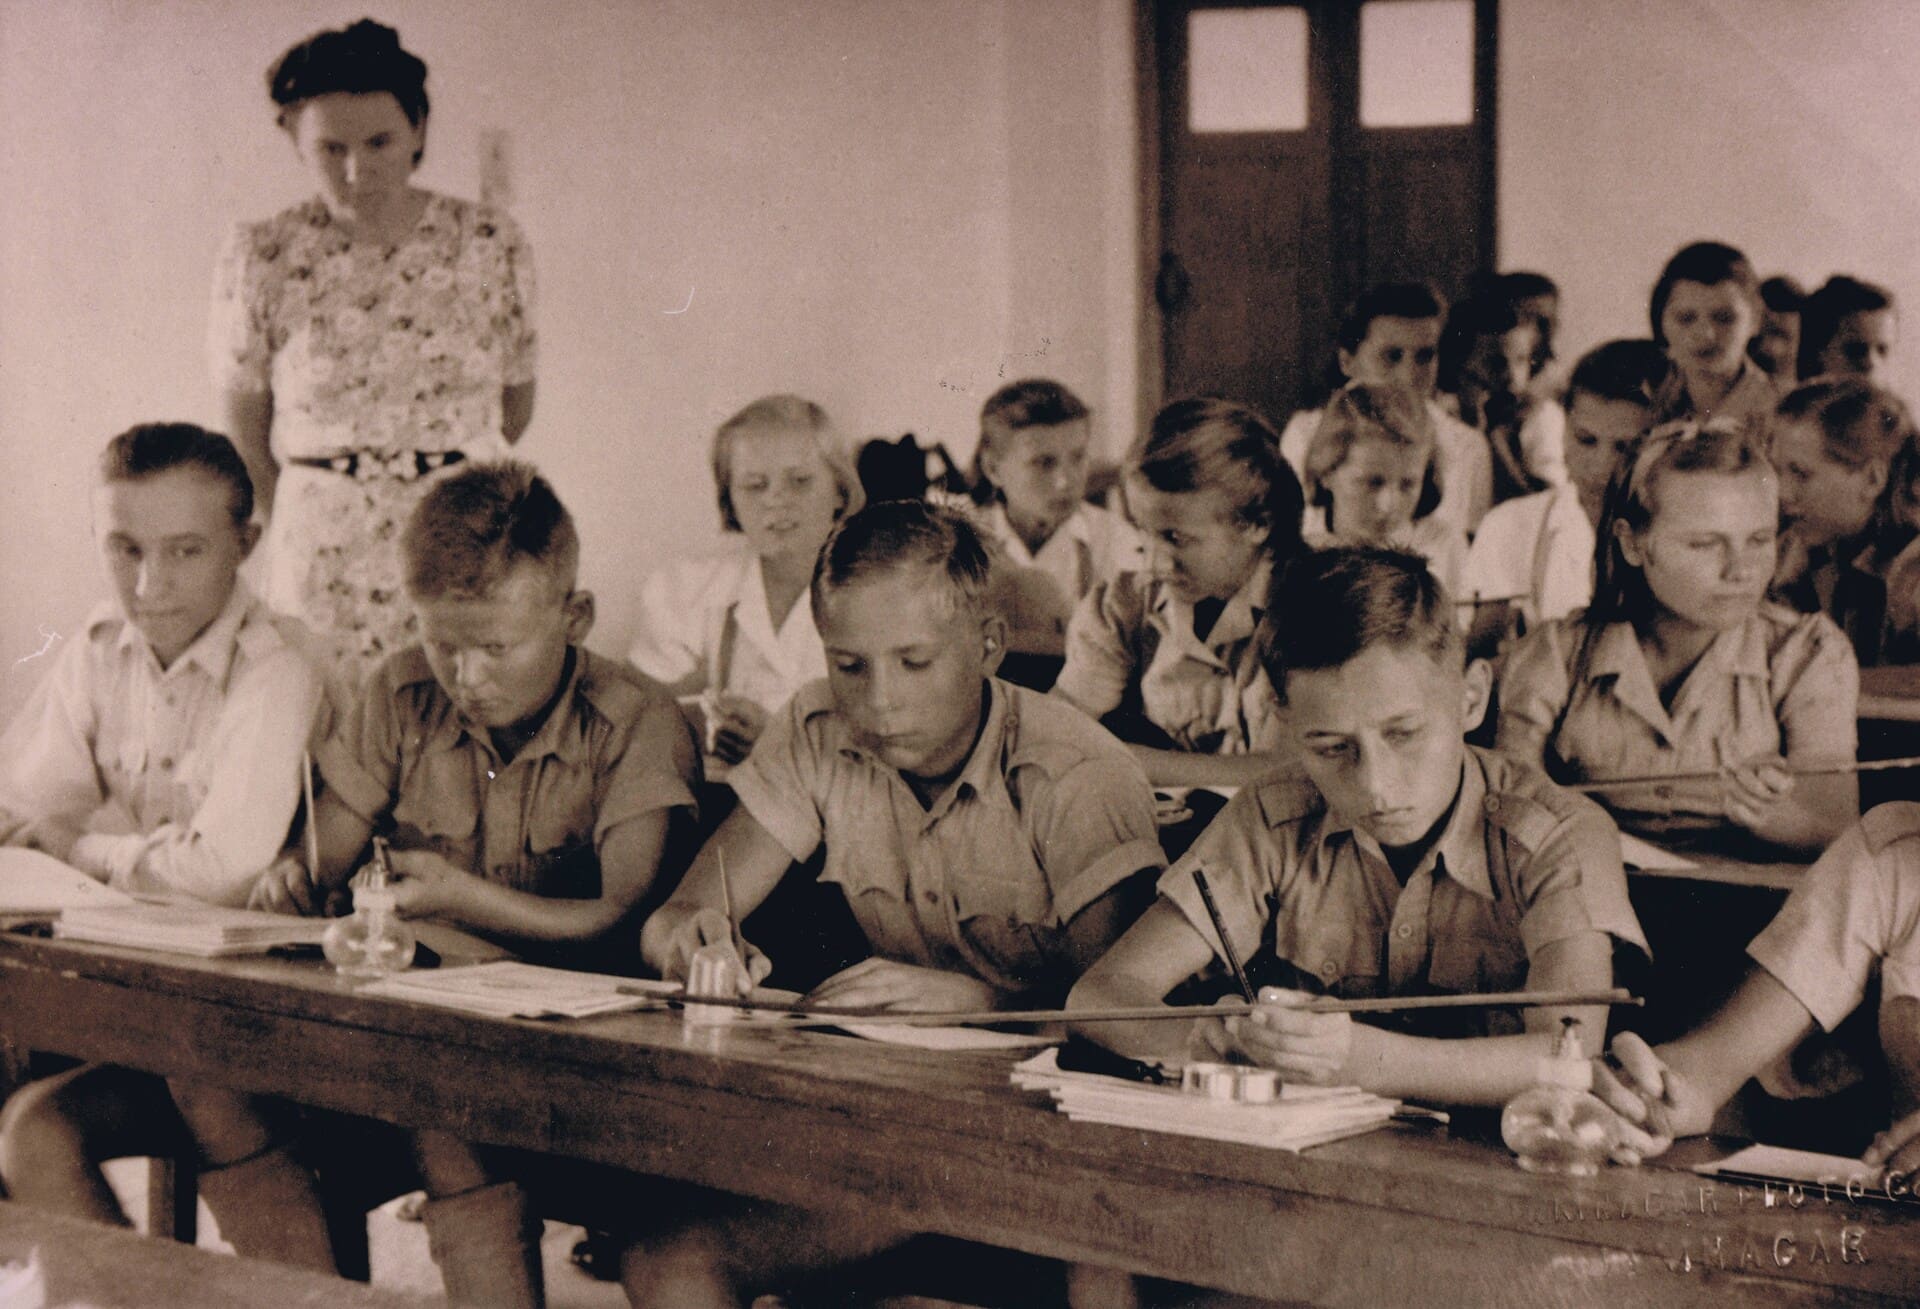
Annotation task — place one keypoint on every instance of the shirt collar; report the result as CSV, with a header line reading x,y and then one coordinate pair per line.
x,y
984,768
1074,531
1237,620
1739,651
1461,852
213,650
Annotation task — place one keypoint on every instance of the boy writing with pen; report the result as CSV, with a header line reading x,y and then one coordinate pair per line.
x,y
534,789
1405,863
986,839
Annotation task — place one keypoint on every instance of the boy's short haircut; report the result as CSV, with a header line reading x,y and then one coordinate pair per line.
x,y
1015,407
471,530
1822,312
1333,605
1523,284
1708,263
1382,413
153,448
1388,300
906,533
1627,370
783,413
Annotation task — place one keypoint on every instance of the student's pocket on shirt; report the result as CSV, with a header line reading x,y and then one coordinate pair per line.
x,y
441,819
561,860
877,898
1480,957
1326,947
1009,920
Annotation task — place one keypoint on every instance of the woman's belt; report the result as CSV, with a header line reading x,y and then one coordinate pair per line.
x,y
400,465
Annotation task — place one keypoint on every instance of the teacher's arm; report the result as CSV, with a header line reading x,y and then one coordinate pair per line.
x,y
516,410
249,422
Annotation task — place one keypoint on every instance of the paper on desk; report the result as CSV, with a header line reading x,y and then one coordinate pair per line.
x,y
1777,1163
511,989
945,1038
35,883
1638,853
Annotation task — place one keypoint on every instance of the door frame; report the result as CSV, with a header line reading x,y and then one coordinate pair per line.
x,y
1341,103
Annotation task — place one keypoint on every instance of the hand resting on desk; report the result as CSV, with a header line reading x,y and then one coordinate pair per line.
x,y
885,984
1309,1049
677,932
286,887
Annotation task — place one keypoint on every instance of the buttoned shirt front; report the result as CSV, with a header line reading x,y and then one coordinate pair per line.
x,y
178,780
1312,903
1779,684
613,748
1047,815
1131,645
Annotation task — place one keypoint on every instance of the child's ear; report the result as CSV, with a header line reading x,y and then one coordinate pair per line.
x,y
1629,542
1477,694
1344,357
993,642
579,616
249,533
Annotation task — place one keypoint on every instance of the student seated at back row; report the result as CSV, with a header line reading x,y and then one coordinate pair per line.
x,y
1534,555
986,838
534,790
162,754
1391,337
1165,655
1680,665
733,628
1030,473
1370,480
1853,921
1405,863
1704,309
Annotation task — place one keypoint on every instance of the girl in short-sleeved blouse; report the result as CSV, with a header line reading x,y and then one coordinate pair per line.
x,y
372,352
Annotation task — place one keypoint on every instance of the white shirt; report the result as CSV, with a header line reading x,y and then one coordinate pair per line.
x,y
704,626
1461,462
181,780
1092,545
1535,552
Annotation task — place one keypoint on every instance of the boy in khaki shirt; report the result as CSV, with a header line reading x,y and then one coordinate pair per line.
x,y
1406,863
986,838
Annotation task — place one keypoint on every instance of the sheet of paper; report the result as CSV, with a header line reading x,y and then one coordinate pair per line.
x,y
1781,1164
1638,853
944,1038
36,883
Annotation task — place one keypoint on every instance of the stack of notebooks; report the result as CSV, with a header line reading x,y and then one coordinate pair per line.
x,y
1303,1116
181,928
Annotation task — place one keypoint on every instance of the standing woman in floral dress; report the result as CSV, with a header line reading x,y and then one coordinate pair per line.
x,y
364,339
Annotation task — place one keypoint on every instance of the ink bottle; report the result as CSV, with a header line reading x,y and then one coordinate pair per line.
x,y
1558,1125
715,971
373,940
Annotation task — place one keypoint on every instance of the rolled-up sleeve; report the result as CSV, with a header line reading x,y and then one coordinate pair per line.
x,y
1533,692
1100,657
1095,829
359,758
1236,852
1829,937
779,782
1817,685
1574,883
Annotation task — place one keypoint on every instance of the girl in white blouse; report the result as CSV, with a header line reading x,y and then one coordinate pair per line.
x,y
732,633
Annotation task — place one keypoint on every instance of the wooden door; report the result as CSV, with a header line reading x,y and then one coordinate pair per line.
x,y
1281,198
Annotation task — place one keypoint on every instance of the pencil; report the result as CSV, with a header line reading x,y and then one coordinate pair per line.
x,y
809,1015
1806,770
726,901
1220,930
313,825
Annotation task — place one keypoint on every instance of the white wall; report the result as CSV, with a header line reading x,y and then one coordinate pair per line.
x,y
891,206
1628,128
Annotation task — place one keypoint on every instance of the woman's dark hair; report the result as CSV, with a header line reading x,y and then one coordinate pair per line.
x,y
1782,294
1709,263
1200,443
1469,322
363,59
1823,312
1629,370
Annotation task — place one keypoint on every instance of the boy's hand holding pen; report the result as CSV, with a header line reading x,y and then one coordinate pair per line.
x,y
699,930
286,887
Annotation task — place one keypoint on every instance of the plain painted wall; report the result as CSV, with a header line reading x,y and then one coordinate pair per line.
x,y
890,205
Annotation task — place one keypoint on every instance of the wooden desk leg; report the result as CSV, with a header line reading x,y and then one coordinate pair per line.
x,y
173,1198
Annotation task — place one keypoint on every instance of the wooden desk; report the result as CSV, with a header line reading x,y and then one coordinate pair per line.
x,y
109,1267
942,1143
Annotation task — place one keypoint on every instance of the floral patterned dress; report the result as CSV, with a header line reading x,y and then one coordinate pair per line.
x,y
376,351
